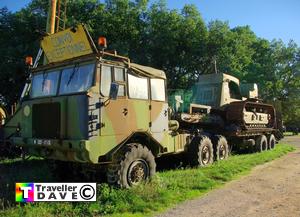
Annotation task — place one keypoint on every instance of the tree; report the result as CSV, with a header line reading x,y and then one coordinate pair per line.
x,y
18,39
176,43
231,48
179,42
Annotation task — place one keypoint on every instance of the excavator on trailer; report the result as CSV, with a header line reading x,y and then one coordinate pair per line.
x,y
221,105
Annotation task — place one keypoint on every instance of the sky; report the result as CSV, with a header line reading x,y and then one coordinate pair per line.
x,y
270,19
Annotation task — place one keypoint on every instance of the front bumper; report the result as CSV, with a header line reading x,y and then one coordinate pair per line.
x,y
64,150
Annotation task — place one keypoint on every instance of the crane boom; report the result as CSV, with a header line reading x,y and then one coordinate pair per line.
x,y
56,20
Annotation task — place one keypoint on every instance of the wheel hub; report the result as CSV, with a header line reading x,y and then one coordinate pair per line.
x,y
205,155
137,172
222,152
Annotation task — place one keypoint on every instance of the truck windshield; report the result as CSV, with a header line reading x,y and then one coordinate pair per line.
x,y
44,84
206,94
76,79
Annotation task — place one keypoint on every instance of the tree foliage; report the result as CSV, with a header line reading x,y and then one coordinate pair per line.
x,y
179,42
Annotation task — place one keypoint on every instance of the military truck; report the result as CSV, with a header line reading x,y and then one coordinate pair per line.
x,y
98,109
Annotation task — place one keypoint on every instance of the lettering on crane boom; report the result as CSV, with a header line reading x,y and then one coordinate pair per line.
x,y
66,44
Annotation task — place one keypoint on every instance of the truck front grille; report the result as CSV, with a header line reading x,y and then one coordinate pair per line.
x,y
46,121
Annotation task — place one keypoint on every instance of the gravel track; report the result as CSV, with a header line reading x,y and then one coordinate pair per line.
x,y
272,189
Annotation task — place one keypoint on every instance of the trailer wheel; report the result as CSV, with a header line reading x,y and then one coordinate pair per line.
x,y
133,164
272,142
261,143
201,152
221,148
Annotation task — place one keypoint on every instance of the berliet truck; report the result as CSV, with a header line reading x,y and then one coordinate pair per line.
x,y
95,108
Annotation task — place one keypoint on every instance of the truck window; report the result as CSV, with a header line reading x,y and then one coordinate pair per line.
x,y
206,94
138,87
158,89
76,79
44,84
121,91
234,90
119,75
105,80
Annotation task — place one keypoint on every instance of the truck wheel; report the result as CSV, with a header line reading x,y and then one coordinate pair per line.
x,y
272,142
201,152
221,148
261,143
134,164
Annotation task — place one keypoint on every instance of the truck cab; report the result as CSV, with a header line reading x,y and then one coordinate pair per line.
x,y
217,90
67,114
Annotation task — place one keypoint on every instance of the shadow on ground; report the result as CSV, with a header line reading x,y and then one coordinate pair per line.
x,y
41,170
12,171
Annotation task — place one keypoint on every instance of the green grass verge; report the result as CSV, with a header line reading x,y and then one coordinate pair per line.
x,y
289,134
164,191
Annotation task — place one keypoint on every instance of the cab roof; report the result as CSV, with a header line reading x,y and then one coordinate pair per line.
x,y
217,78
75,45
147,71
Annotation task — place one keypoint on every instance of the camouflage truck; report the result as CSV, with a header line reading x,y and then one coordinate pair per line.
x,y
101,111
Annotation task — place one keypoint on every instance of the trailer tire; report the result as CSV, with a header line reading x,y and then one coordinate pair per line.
x,y
221,148
132,165
201,152
272,142
261,143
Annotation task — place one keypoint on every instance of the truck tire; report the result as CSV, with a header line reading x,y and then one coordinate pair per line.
x,y
272,142
221,148
261,143
133,164
201,152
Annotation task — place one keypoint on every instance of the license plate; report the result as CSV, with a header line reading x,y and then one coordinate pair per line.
x,y
41,142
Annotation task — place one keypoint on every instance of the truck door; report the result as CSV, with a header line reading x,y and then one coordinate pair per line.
x,y
114,114
138,103
159,108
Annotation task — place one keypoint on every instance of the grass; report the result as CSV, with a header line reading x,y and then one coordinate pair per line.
x,y
167,189
289,133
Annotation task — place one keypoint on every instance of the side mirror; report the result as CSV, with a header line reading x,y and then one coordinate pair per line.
x,y
114,89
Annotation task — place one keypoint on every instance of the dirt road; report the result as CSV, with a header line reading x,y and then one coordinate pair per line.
x,y
272,189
